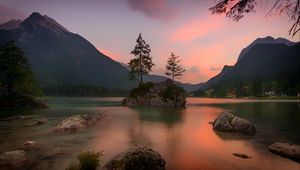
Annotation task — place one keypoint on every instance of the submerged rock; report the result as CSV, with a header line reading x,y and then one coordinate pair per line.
x,y
157,94
29,145
12,159
41,121
286,150
17,117
77,122
228,122
137,158
241,155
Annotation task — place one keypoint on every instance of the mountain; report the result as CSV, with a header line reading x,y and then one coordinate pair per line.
x,y
266,40
60,57
11,24
266,62
158,78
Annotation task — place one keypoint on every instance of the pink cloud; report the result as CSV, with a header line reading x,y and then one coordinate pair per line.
x,y
7,13
197,28
156,9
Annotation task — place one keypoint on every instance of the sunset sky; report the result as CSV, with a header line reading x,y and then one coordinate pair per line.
x,y
204,42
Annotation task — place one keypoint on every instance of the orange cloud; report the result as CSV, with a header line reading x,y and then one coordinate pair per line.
x,y
197,28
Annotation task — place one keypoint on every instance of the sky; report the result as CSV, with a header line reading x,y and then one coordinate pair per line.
x,y
204,42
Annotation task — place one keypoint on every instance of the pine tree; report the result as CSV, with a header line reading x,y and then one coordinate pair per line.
x,y
16,76
142,63
174,69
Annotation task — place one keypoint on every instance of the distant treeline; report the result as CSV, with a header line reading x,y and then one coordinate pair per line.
x,y
83,90
254,88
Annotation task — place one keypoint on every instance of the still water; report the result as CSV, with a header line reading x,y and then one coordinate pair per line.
x,y
183,137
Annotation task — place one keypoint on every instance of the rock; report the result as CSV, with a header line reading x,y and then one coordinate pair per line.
x,y
41,121
77,122
241,155
12,159
137,158
157,94
18,117
29,145
286,150
228,122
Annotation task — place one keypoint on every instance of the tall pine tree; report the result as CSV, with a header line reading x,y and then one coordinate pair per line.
x,y
16,76
174,69
142,63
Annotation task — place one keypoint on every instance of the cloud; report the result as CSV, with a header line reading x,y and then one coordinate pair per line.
x,y
197,28
156,9
215,69
193,69
7,13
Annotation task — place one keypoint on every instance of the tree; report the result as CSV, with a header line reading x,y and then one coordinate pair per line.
x,y
236,10
142,63
15,76
174,69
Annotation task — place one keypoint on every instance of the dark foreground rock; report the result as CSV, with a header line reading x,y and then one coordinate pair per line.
x,y
286,150
12,159
22,101
157,94
78,122
228,122
137,158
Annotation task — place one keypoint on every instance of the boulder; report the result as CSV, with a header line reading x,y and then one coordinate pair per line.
x,y
12,159
228,122
157,94
286,150
137,158
77,122
41,121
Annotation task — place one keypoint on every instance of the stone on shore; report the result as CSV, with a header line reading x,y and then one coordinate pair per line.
x,y
78,122
137,158
12,159
228,122
41,121
286,150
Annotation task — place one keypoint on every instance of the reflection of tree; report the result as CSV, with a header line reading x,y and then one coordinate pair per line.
x,y
168,116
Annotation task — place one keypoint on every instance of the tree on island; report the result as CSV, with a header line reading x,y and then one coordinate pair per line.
x,y
174,69
16,75
142,63
17,86
236,10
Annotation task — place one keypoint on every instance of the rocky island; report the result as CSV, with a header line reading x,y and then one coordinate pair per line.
x,y
157,94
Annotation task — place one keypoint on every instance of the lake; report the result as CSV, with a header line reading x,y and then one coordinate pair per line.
x,y
182,136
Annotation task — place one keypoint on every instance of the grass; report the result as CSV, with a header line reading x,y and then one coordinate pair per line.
x,y
88,160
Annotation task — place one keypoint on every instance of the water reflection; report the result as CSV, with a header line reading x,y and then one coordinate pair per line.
x,y
183,137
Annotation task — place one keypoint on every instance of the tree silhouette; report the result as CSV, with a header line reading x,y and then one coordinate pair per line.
x,y
174,69
142,63
236,10
15,76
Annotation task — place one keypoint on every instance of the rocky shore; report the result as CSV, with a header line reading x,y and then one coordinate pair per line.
x,y
157,94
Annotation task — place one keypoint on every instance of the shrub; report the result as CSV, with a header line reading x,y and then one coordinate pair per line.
x,y
88,160
141,90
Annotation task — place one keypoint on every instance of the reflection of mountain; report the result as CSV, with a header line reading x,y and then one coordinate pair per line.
x,y
168,116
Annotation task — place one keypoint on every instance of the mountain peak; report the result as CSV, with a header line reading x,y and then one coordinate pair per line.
x,y
265,40
36,21
11,24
